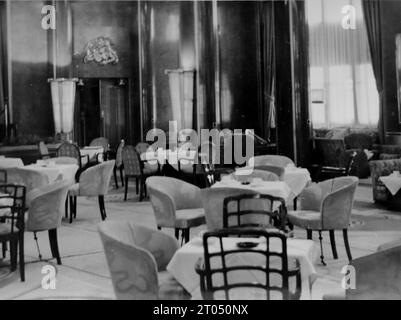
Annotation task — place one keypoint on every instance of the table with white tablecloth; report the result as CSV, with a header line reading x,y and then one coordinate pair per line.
x,y
172,157
273,188
92,153
6,163
67,171
181,266
392,182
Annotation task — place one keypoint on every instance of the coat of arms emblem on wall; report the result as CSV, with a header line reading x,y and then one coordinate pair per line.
x,y
100,50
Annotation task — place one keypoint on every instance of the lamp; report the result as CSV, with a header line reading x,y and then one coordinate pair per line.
x,y
181,83
63,98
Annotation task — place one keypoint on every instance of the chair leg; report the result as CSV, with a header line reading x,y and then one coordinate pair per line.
x,y
13,254
177,233
347,248
102,208
333,244
140,189
4,249
115,176
75,206
71,198
66,207
126,188
321,248
54,245
122,176
185,235
136,185
159,228
21,256
309,234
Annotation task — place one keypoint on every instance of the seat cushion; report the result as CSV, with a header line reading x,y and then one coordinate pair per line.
x,y
187,218
74,190
306,219
170,289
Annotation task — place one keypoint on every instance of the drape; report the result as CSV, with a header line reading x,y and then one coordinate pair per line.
x,y
3,61
268,58
340,65
371,12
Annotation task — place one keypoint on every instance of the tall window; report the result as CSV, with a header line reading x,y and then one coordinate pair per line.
x,y
342,83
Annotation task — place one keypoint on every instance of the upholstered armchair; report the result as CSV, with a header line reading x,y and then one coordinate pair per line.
x,y
46,207
29,178
93,182
326,206
273,160
137,258
381,168
176,204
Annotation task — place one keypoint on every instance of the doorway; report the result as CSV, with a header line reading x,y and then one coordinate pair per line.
x,y
102,109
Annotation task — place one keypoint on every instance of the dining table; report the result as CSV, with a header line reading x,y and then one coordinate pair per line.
x,y
53,171
6,162
181,266
92,153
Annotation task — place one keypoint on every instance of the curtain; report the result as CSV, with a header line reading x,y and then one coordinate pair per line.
x,y
371,12
342,82
268,58
3,64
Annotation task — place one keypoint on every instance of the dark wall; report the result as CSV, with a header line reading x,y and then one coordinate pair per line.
x,y
391,25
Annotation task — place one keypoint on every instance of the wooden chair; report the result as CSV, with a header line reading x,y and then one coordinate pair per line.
x,y
176,204
133,168
254,210
12,225
137,258
326,206
93,182
71,150
219,280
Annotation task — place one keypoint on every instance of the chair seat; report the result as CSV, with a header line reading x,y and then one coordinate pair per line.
x,y
306,219
170,289
74,190
187,218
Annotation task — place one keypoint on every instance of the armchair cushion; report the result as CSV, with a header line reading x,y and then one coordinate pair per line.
x,y
311,198
306,219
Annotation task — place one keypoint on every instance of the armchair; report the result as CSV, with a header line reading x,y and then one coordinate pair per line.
x,y
176,204
71,150
326,206
137,257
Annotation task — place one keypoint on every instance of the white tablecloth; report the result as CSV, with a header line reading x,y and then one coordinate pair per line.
x,y
162,156
273,188
392,183
182,264
10,162
68,171
92,152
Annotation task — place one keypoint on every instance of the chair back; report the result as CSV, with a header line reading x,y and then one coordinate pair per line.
x,y
131,161
246,174
46,207
119,153
168,195
95,180
134,255
337,202
213,201
29,178
13,199
142,147
331,152
71,150
100,142
223,278
272,160
43,150
253,210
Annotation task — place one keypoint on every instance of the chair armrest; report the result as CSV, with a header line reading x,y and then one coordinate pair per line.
x,y
199,269
296,272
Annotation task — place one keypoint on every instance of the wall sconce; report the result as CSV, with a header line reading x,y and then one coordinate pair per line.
x,y
182,96
80,83
63,98
122,82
